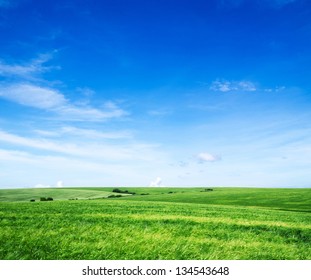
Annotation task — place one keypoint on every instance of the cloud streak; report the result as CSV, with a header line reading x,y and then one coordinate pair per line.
x,y
85,149
94,134
33,96
27,90
52,100
233,86
29,70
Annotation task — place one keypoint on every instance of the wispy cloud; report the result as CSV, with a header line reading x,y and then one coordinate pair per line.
x,y
207,157
16,156
52,100
87,113
276,89
42,144
84,133
28,90
27,70
33,96
156,183
95,134
85,149
59,184
232,86
46,169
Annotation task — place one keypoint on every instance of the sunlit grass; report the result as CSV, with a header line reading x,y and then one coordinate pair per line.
x,y
126,229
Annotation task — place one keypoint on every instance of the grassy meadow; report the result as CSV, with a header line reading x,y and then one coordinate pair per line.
x,y
156,223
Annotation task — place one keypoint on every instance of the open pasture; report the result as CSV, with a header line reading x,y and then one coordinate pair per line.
x,y
55,193
167,223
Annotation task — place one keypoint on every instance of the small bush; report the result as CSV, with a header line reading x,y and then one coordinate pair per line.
x,y
32,200
46,199
114,196
116,190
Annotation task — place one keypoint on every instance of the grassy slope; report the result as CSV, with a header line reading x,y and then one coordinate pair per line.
x,y
284,199
56,194
186,224
115,229
67,193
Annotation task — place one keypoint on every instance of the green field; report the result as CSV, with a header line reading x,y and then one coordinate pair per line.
x,y
156,223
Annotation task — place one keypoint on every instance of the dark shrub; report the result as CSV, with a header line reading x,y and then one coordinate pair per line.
x,y
114,196
32,200
49,199
120,191
42,199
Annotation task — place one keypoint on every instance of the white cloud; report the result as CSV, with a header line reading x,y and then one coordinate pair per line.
x,y
27,90
246,86
86,149
47,133
52,100
87,113
276,89
207,157
230,86
156,183
59,184
31,168
37,143
95,134
27,70
33,96
84,133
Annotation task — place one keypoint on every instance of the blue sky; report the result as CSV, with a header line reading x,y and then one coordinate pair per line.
x,y
161,93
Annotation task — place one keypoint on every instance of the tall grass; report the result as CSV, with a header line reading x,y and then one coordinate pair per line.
x,y
126,229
